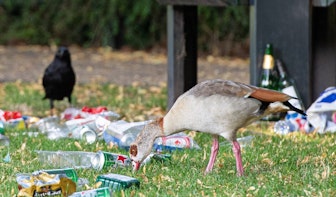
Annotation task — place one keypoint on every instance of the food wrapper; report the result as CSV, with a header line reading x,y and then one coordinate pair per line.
x,y
85,112
44,184
322,113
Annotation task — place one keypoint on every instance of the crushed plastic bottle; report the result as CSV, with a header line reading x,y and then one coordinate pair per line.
x,y
283,127
122,133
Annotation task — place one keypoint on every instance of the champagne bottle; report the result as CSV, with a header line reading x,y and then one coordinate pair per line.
x,y
268,79
287,86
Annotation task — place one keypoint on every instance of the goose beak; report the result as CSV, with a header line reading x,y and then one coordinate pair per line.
x,y
136,165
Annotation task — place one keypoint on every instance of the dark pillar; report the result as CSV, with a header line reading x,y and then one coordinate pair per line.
x,y
324,48
287,25
182,50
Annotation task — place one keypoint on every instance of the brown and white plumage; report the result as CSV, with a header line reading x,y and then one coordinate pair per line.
x,y
217,107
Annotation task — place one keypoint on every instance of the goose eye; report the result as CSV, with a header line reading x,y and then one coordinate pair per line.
x,y
133,150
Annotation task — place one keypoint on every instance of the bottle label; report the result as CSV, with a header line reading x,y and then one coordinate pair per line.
x,y
268,62
113,160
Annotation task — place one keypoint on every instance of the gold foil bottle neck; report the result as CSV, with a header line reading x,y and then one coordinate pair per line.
x,y
268,62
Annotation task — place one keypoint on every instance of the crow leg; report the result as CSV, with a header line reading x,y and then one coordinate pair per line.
x,y
51,107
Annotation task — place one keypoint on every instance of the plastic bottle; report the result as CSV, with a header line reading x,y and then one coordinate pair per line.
x,y
66,159
283,127
123,133
243,141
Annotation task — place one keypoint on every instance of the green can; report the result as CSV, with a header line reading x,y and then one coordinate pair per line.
x,y
2,128
69,172
109,160
117,181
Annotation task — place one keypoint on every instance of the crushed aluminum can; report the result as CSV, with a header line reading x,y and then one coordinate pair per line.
x,y
69,172
85,133
96,123
109,160
43,184
117,181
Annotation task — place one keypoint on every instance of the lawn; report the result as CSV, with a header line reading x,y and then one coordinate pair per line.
x,y
293,165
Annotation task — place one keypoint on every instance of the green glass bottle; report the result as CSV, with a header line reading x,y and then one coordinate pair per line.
x,y
287,86
268,79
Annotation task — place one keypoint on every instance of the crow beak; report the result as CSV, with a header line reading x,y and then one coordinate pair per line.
x,y
136,165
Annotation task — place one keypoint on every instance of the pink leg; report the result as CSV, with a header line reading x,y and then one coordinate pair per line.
x,y
239,163
214,151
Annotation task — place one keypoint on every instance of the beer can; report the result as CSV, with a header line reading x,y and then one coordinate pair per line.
x,y
69,172
99,192
109,160
88,135
2,128
171,143
117,181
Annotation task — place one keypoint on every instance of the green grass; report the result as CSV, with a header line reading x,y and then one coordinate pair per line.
x,y
292,165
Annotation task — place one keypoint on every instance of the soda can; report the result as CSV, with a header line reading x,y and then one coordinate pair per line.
x,y
99,125
85,133
69,172
100,192
117,181
2,128
171,143
107,160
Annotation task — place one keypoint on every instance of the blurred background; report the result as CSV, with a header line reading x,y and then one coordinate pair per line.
x,y
119,24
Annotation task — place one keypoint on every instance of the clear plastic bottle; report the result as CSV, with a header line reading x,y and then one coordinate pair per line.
x,y
66,159
283,127
123,133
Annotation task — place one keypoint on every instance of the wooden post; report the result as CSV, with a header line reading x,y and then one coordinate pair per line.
x,y
182,50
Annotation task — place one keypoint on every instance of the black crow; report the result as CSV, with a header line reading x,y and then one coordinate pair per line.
x,y
59,78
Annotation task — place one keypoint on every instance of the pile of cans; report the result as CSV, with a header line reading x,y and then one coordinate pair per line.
x,y
65,182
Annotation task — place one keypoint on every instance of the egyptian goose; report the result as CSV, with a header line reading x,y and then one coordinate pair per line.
x,y
217,107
